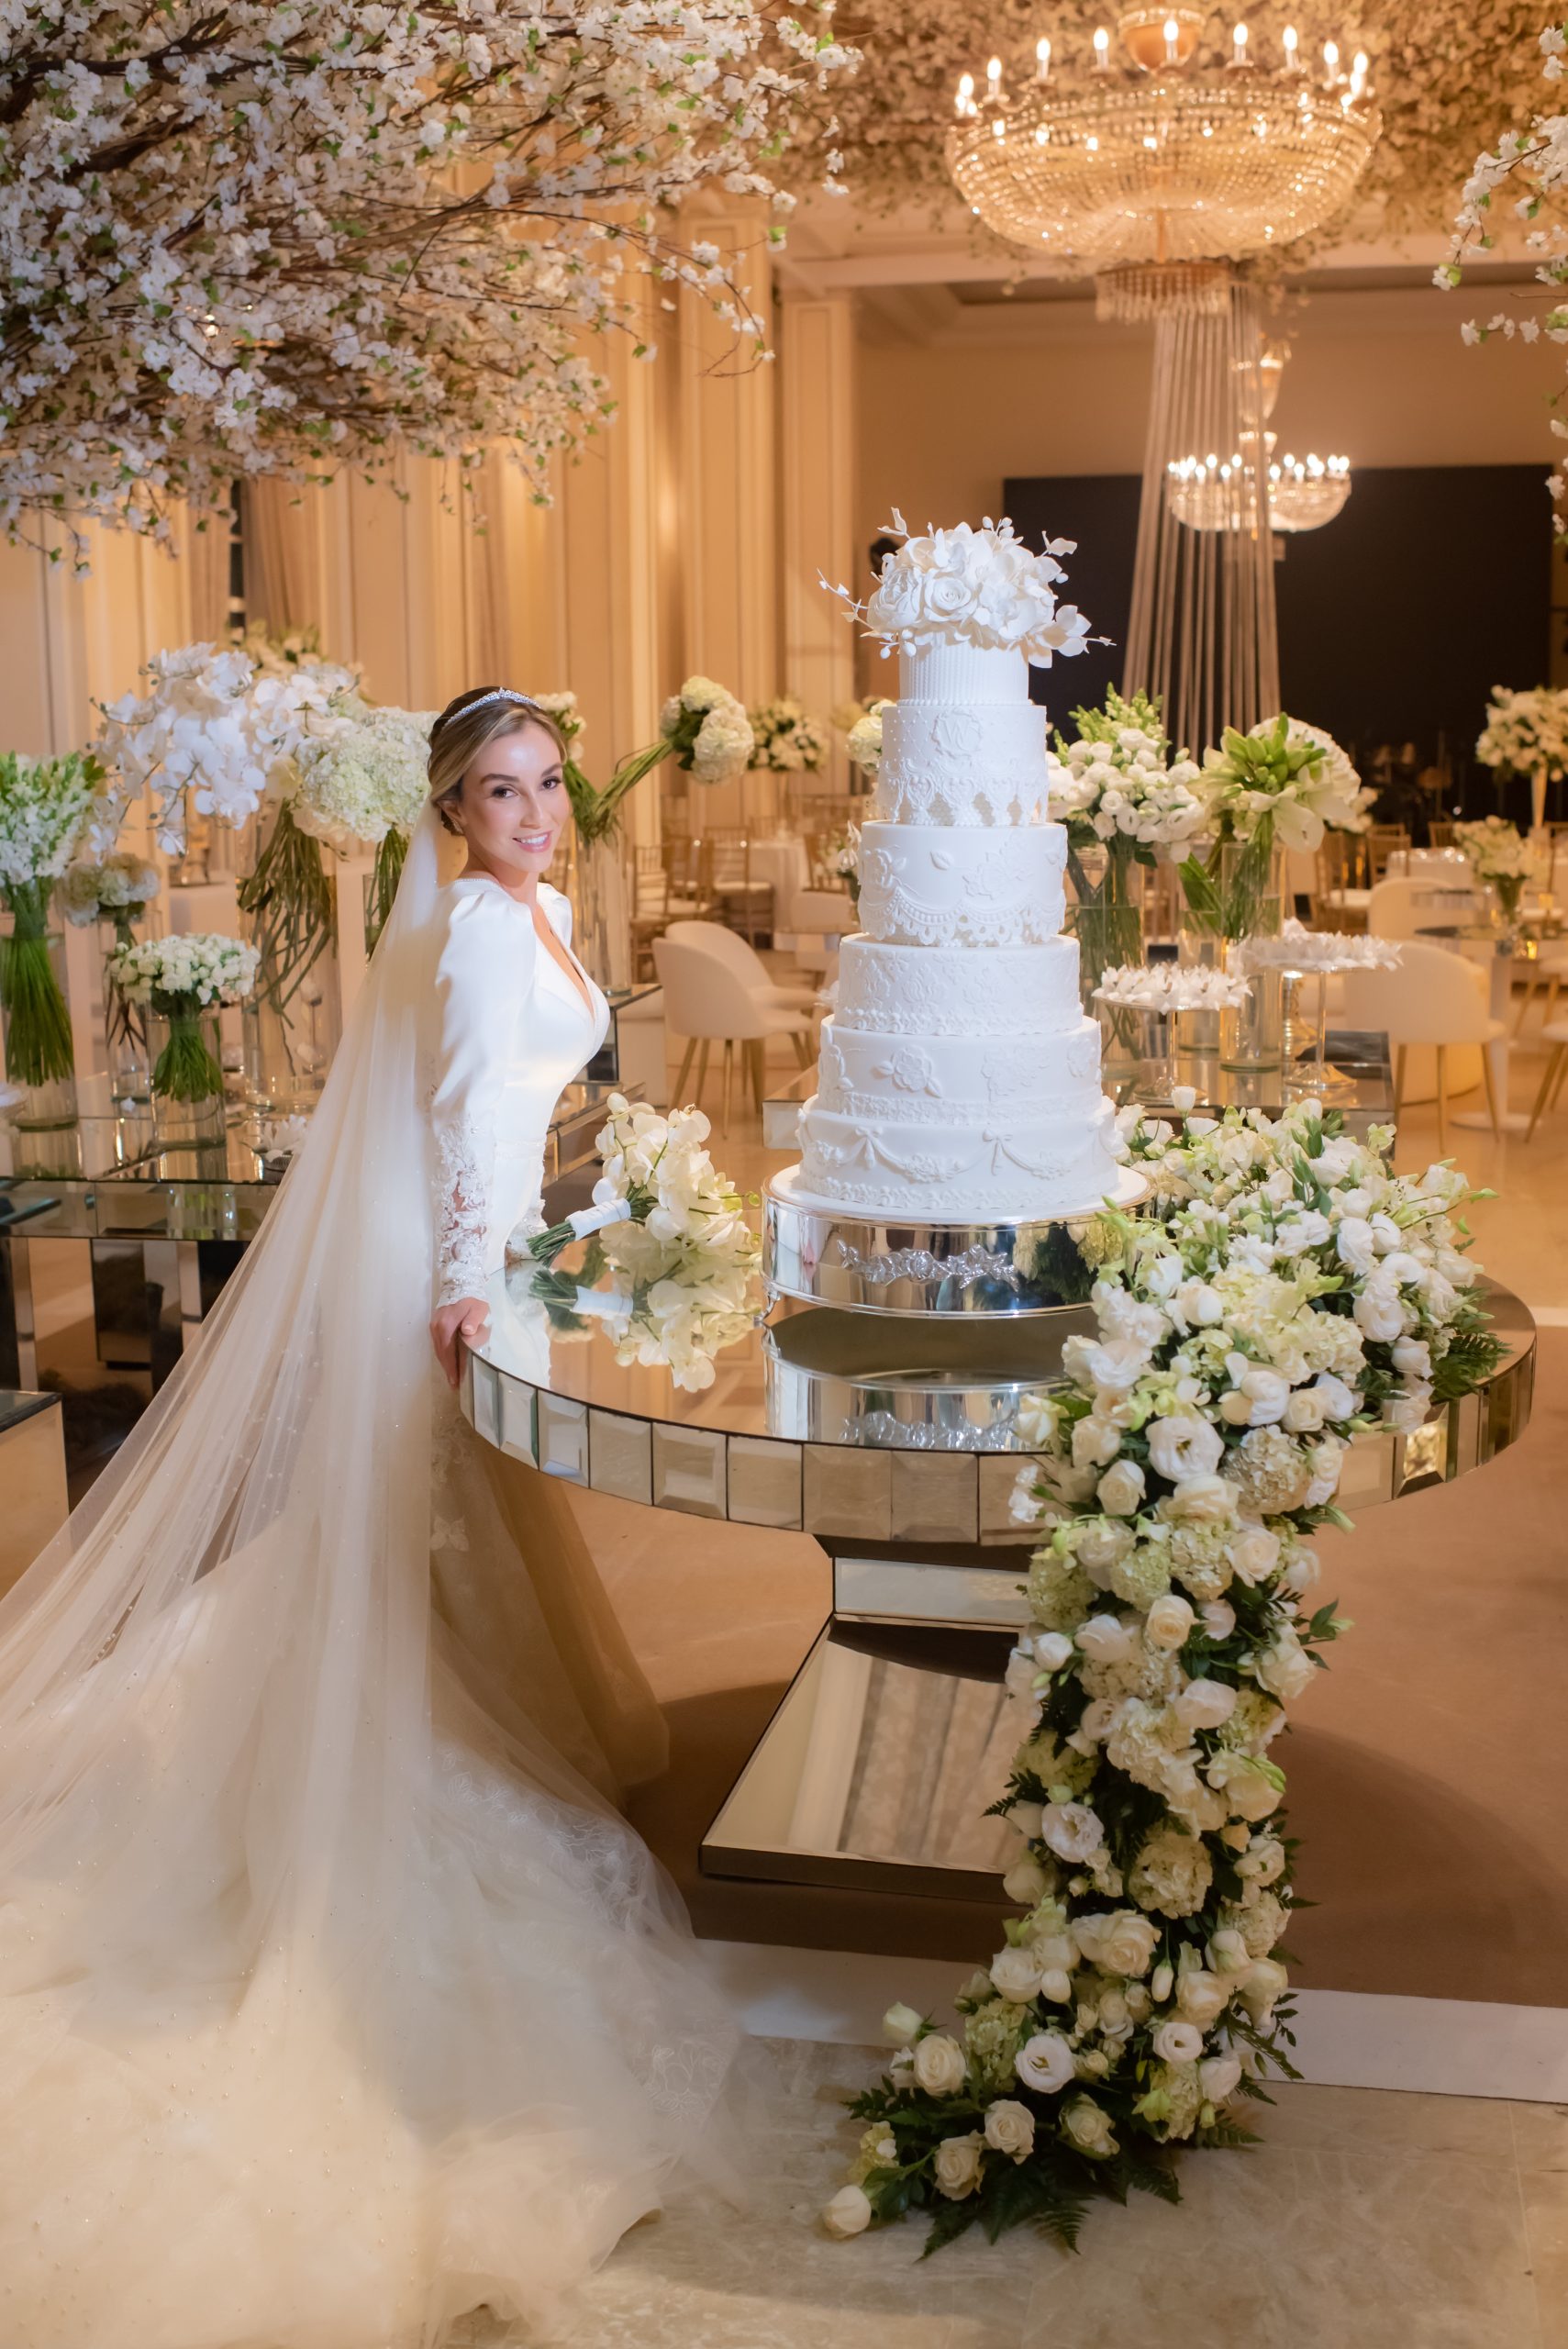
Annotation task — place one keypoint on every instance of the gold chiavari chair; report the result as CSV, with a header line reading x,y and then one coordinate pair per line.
x,y
1382,841
744,903
1440,835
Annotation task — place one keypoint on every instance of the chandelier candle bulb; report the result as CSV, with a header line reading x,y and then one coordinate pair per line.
x,y
1290,43
1239,46
1331,59
994,78
965,99
1043,59
1102,48
1172,34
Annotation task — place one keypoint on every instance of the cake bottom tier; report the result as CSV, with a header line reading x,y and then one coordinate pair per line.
x,y
991,1170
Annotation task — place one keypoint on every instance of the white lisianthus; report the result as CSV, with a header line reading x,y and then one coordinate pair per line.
x,y
1178,2042
1025,1817
1204,1704
1183,1449
1107,1640
1218,1618
1258,1399
939,2064
847,2215
1045,2063
1052,1650
1219,2078
1073,1831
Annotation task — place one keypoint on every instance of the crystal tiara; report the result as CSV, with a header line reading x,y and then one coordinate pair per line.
x,y
504,693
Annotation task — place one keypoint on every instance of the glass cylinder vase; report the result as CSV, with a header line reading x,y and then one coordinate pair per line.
x,y
1107,922
187,1074
601,909
1237,894
40,1061
127,1054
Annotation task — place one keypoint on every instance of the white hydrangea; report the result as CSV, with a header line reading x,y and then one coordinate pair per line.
x,y
710,730
361,772
119,884
202,967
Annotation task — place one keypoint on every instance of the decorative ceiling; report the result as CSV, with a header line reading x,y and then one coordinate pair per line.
x,y
1449,75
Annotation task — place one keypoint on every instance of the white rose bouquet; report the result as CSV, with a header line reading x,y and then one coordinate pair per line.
x,y
1283,1291
983,587
116,889
786,740
48,809
181,978
656,1175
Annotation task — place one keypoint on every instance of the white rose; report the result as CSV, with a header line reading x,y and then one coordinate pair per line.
x,y
1121,1489
939,2064
849,2213
1168,1622
1045,2063
1306,1411
1097,1721
1116,1366
1010,2129
1202,1996
1264,1981
1095,1442
1200,1501
957,2165
1052,1650
1117,1941
1104,1639
1204,1704
1378,1312
1285,1669
1184,1447
1026,1882
1199,1303
1178,2042
1088,2126
1326,1457
1339,1402
1302,1572
1073,1831
899,2025
1253,1554
1219,2076
1036,1422
1021,1673
1025,1817
1217,1617
1413,1358
1355,1245
1014,1974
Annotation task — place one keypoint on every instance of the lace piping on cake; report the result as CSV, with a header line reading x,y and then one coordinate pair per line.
x,y
965,804
893,914
994,1152
463,1158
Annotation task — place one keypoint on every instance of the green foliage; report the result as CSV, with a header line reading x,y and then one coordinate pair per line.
x,y
1472,1357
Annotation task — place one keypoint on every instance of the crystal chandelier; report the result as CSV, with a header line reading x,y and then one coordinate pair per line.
x,y
1162,157
1304,492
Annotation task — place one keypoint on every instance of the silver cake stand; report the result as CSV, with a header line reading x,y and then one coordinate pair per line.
x,y
824,1254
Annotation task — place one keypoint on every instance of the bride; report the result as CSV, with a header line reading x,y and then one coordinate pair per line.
x,y
338,2008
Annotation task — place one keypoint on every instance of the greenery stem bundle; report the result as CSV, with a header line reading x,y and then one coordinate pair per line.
x,y
37,1032
289,900
1227,891
391,856
186,1070
596,814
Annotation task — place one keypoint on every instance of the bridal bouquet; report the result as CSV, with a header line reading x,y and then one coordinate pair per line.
x,y
1283,1291
48,807
659,1177
786,740
675,1311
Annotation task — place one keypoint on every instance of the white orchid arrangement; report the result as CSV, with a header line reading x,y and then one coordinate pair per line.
x,y
1346,804
707,730
1526,732
1296,948
277,238
1283,1291
786,739
1536,163
982,587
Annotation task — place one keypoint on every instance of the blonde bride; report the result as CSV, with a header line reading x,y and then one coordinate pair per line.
x,y
338,2008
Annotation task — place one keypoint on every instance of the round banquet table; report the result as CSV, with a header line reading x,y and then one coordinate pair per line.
x,y
891,1439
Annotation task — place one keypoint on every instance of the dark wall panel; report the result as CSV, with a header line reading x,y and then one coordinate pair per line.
x,y
1395,619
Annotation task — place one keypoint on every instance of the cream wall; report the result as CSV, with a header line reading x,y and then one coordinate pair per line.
x,y
950,405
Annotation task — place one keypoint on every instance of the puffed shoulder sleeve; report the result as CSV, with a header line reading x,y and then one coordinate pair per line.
x,y
486,958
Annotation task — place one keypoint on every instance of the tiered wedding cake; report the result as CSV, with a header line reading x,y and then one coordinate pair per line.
x,y
958,1079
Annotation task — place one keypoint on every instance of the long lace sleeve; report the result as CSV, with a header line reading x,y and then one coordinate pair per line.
x,y
476,987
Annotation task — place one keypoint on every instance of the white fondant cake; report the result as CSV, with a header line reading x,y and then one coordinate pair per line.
x,y
958,1079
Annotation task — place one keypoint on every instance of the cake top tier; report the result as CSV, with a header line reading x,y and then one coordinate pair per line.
x,y
982,587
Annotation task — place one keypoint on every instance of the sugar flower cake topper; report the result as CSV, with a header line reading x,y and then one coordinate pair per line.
x,y
983,587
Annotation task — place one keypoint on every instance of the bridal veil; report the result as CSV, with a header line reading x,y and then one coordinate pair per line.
x,y
334,2004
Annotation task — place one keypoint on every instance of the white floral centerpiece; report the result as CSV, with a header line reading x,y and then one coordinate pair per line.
x,y
1283,1291
184,980
841,857
786,740
984,587
864,742
360,778
1525,734
48,809
117,889
1498,853
1347,803
707,730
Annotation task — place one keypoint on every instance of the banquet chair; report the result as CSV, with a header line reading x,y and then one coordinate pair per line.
x,y
707,1002
688,868
650,906
743,959
1440,835
1343,894
1382,841
1404,909
745,903
1433,998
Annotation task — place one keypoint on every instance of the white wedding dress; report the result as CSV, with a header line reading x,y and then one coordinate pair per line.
x,y
335,2004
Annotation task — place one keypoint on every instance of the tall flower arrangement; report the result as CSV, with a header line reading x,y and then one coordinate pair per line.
x,y
1283,1290
116,889
1498,853
260,237
1276,788
48,807
1525,734
862,725
786,739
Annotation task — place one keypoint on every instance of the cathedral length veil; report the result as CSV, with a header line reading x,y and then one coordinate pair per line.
x,y
331,2005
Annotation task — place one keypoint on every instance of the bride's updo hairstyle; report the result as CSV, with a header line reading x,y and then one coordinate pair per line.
x,y
477,718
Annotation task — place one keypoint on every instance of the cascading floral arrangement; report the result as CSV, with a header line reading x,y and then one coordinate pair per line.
x,y
1282,1290
786,739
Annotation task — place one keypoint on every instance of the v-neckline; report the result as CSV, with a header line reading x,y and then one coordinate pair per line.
x,y
581,986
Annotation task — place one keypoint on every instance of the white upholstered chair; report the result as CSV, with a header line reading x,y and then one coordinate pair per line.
x,y
1433,999
707,1001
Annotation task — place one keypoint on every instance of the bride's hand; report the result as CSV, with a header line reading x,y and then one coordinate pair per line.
x,y
467,1318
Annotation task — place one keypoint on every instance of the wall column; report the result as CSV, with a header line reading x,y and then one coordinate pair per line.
x,y
817,423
